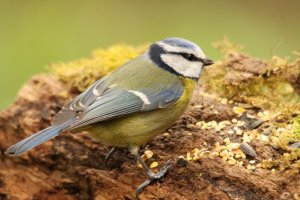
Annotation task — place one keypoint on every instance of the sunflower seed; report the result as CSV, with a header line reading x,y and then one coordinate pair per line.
x,y
295,145
247,149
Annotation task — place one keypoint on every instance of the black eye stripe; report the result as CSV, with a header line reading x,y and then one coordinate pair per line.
x,y
189,57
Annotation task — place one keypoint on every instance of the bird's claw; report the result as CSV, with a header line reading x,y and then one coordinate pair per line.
x,y
151,177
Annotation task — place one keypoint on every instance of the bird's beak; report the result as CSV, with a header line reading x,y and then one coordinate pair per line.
x,y
207,62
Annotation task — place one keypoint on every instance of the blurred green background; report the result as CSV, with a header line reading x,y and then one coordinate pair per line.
x,y
35,33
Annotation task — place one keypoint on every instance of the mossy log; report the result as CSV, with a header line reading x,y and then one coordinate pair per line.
x,y
71,166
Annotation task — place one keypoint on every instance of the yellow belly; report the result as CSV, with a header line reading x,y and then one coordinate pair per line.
x,y
139,128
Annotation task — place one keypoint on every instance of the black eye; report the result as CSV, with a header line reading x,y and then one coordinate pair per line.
x,y
189,56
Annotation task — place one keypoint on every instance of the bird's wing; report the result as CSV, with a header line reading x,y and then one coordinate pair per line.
x,y
115,103
130,89
80,103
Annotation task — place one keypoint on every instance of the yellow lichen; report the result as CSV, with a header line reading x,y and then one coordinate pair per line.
x,y
283,134
289,162
79,74
265,84
226,47
296,126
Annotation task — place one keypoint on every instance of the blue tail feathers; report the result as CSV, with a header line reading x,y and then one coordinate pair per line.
x,y
35,140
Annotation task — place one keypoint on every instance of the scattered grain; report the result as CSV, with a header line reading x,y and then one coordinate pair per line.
x,y
153,165
231,161
238,110
147,155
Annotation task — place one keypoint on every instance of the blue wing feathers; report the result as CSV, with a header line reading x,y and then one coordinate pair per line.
x,y
34,140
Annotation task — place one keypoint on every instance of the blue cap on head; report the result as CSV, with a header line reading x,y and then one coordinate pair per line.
x,y
179,42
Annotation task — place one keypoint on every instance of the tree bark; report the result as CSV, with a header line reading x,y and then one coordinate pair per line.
x,y
71,165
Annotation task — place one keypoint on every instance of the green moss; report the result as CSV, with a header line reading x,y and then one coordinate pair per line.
x,y
271,85
226,47
296,126
289,162
81,73
265,84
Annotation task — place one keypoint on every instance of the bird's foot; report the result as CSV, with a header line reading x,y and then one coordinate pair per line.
x,y
152,177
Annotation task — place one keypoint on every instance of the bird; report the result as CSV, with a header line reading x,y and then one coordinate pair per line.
x,y
132,104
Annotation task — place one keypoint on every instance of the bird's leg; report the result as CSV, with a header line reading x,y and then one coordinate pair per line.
x,y
151,176
110,153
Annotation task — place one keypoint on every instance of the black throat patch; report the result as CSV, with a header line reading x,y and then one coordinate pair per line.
x,y
154,52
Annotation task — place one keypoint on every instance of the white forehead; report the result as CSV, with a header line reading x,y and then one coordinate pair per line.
x,y
180,45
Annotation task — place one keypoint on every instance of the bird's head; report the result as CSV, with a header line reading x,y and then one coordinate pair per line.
x,y
179,56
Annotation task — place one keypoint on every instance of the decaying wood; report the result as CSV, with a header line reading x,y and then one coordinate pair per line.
x,y
71,166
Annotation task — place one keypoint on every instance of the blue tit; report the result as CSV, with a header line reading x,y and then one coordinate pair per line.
x,y
132,104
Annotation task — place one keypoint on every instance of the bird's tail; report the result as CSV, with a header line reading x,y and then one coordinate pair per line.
x,y
35,140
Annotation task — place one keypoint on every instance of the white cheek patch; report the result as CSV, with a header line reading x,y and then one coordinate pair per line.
x,y
141,95
182,66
